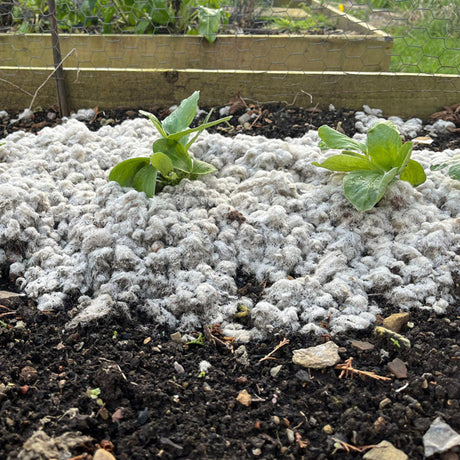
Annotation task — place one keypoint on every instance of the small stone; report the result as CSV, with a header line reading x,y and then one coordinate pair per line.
x,y
319,357
28,374
398,368
257,451
244,118
176,337
396,322
439,438
244,398
274,371
206,386
363,346
385,451
102,454
276,420
328,429
179,368
384,403
241,355
290,434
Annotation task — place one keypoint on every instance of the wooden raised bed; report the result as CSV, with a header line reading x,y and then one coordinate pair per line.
x,y
111,71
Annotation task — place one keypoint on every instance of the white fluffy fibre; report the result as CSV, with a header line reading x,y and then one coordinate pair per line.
x,y
68,231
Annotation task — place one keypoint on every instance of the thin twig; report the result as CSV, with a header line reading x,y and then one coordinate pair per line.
x,y
16,86
281,344
7,313
49,76
348,370
349,447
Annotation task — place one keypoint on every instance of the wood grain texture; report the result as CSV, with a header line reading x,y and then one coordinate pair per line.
x,y
406,95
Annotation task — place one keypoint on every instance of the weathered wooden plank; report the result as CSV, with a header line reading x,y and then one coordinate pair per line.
x,y
406,95
371,53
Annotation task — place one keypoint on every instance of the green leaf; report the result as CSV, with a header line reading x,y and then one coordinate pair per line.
x,y
163,163
183,116
141,26
155,122
145,180
364,189
176,152
345,163
209,21
405,153
124,172
454,172
384,146
198,129
334,140
413,173
201,168
160,13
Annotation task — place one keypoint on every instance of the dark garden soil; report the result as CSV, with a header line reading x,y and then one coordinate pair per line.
x,y
125,385
271,120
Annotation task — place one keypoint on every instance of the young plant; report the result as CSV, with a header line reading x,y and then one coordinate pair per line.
x,y
371,166
170,161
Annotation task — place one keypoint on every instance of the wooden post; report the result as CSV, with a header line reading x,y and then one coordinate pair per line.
x,y
59,74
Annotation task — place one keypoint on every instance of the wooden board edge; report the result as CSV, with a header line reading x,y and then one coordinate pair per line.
x,y
405,95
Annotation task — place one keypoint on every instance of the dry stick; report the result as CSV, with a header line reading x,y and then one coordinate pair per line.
x,y
281,344
349,447
49,76
347,368
16,86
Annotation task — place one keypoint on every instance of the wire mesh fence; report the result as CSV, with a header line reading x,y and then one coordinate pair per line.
x,y
304,37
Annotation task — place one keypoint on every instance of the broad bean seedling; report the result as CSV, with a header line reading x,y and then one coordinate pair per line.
x,y
170,161
370,166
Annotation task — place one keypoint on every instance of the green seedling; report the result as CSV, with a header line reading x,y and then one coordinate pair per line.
x,y
372,166
94,394
395,342
115,334
170,161
198,341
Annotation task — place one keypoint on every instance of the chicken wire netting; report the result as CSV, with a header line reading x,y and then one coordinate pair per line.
x,y
407,36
